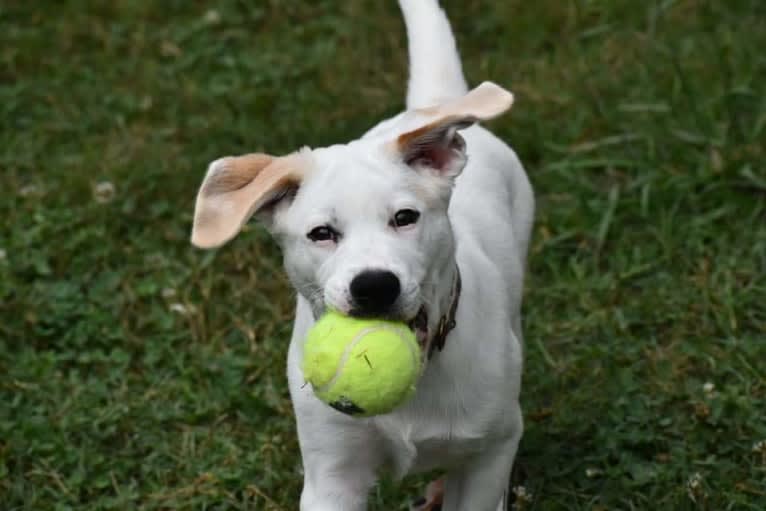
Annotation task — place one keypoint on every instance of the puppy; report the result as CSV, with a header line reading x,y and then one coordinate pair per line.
x,y
425,219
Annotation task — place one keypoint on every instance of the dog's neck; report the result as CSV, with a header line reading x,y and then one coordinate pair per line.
x,y
442,303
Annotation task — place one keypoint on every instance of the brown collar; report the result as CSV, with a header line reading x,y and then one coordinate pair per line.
x,y
447,321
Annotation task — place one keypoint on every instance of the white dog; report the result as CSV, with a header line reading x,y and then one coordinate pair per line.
x,y
425,219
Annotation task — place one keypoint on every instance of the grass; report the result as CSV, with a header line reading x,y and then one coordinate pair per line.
x,y
139,373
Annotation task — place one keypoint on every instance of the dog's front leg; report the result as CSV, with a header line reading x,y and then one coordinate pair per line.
x,y
341,458
335,483
333,493
481,484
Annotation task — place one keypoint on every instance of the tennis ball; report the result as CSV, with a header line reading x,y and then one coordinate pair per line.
x,y
361,367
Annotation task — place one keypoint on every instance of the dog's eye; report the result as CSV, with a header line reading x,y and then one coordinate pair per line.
x,y
405,217
323,233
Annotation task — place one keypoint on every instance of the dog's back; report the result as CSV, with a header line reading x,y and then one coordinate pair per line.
x,y
492,207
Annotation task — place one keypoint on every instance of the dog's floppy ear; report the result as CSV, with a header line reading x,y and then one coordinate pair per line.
x,y
437,145
236,187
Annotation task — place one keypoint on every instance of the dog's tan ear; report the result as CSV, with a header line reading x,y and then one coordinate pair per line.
x,y
436,144
484,102
235,188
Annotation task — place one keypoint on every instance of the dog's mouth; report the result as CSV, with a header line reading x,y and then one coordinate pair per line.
x,y
419,325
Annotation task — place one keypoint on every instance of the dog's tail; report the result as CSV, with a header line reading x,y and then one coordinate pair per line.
x,y
436,73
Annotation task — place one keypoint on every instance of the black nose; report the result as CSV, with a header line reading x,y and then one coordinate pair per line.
x,y
374,291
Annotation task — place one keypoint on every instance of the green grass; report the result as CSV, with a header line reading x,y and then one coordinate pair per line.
x,y
139,373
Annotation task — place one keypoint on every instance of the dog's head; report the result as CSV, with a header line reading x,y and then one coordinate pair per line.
x,y
363,226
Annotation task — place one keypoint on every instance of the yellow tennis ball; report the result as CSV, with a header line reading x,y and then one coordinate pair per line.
x,y
361,367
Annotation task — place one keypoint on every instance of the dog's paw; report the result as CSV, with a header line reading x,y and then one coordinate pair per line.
x,y
432,501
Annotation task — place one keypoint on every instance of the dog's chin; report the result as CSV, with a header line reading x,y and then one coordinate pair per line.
x,y
419,325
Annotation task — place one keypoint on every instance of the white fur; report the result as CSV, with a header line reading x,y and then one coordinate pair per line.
x,y
465,416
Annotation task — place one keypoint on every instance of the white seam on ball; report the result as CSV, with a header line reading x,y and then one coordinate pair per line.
x,y
356,340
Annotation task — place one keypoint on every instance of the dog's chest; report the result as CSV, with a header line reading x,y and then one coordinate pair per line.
x,y
438,452
453,427
459,411
427,443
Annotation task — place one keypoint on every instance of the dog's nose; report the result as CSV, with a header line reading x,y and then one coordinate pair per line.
x,y
374,291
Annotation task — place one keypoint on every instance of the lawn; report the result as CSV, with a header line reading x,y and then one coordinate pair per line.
x,y
139,373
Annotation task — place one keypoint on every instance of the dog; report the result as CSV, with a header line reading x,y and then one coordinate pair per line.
x,y
425,219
